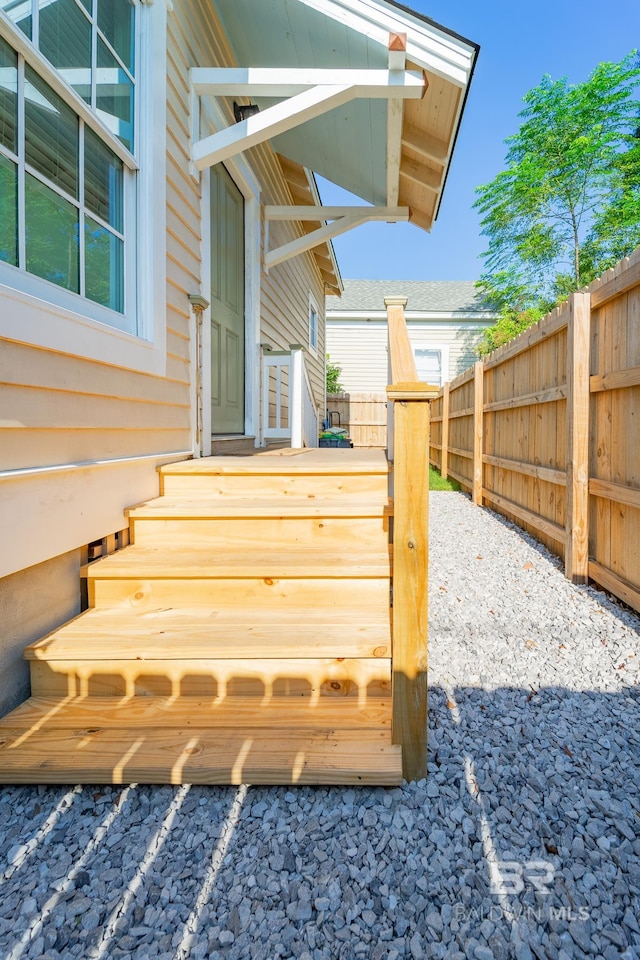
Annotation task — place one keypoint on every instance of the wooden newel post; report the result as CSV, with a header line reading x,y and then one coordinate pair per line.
x,y
576,554
410,576
410,399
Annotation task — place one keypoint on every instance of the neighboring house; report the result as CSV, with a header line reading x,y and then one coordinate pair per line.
x,y
446,320
158,251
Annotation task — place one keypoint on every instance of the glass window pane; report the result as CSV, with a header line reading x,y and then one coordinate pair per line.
x,y
115,19
102,180
20,12
114,96
65,40
429,365
51,134
8,211
8,97
104,266
51,235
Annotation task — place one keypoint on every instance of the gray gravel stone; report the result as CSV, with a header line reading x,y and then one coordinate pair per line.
x,y
580,930
534,762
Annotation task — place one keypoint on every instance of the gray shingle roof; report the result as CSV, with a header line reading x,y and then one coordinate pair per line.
x,y
429,295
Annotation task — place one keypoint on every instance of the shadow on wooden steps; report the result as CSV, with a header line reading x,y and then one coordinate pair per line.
x,y
209,657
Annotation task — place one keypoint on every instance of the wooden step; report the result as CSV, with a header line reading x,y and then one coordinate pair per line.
x,y
141,575
256,508
188,676
318,522
312,473
345,713
200,562
198,652
195,754
327,593
309,462
200,632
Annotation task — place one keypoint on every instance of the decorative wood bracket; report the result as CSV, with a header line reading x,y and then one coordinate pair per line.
x,y
344,218
308,94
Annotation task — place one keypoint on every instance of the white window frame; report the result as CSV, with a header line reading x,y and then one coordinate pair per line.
x,y
443,350
39,312
313,310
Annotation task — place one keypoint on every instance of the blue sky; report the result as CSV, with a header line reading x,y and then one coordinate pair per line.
x,y
519,43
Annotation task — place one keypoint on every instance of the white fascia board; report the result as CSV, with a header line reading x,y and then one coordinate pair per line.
x,y
288,82
434,50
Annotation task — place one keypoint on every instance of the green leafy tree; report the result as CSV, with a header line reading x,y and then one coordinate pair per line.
x,y
333,372
567,206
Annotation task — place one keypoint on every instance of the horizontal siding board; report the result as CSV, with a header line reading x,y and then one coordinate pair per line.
x,y
177,369
177,144
22,406
178,307
181,278
186,231
21,365
186,189
21,448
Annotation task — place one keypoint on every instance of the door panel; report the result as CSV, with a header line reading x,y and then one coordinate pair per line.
x,y
216,357
233,359
227,304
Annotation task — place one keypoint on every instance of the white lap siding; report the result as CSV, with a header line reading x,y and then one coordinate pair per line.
x,y
359,347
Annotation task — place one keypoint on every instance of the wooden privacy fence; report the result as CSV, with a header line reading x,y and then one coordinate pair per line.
x,y
546,431
363,414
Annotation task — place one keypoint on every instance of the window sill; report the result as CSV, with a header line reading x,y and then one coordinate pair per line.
x,y
26,318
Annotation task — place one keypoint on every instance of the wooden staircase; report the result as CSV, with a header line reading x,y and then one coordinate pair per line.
x,y
244,636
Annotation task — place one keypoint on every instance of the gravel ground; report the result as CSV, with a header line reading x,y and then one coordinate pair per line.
x,y
523,842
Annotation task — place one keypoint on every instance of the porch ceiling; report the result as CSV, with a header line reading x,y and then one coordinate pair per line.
x,y
354,145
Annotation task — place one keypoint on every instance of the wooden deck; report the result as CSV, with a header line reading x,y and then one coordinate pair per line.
x,y
243,636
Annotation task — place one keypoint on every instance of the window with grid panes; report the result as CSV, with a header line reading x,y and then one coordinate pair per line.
x,y
63,190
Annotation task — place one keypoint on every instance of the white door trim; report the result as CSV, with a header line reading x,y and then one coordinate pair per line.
x,y
243,177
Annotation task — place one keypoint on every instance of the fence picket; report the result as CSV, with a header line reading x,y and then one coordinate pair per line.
x,y
546,427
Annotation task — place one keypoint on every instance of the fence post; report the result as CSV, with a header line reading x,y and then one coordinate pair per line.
x,y
444,453
478,420
576,555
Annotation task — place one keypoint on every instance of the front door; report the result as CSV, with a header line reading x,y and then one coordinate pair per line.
x,y
227,304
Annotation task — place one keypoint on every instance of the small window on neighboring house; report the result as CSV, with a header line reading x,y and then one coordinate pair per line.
x,y
313,326
67,201
429,365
